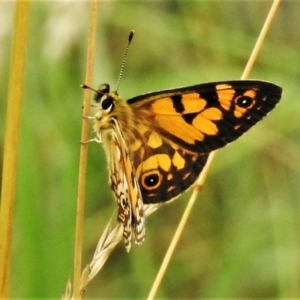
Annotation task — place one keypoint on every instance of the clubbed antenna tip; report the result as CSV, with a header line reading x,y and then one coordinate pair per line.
x,y
84,86
130,36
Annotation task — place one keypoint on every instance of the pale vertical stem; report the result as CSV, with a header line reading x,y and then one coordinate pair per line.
x,y
260,39
200,182
84,151
11,142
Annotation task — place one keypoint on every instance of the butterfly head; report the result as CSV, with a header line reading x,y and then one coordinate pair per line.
x,y
106,102
111,107
102,90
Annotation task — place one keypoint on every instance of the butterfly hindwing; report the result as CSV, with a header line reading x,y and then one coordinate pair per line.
x,y
163,169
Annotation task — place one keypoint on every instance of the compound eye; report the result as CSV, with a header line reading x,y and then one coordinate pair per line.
x,y
107,104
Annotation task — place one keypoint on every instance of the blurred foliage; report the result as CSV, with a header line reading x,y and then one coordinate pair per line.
x,y
242,240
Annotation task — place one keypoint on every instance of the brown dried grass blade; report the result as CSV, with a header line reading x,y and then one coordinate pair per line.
x,y
200,182
107,243
83,153
11,142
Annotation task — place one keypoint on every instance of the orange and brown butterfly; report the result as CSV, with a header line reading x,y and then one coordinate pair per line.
x,y
158,143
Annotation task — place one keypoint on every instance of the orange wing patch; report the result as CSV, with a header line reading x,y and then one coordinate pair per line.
x,y
192,103
203,121
178,104
185,116
177,126
178,161
155,140
160,160
225,94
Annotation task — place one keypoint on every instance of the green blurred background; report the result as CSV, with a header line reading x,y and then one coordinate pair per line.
x,y
242,239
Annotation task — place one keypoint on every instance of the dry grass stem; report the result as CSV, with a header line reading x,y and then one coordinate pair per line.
x,y
200,182
11,142
83,152
107,243
260,39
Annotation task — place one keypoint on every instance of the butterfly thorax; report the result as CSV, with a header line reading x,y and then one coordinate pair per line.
x,y
116,115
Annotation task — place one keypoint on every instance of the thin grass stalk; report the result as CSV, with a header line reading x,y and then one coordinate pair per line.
x,y
108,241
106,244
200,182
11,142
260,39
84,151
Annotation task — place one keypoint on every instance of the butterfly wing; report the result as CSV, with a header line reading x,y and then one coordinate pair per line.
x,y
177,129
125,186
164,169
205,117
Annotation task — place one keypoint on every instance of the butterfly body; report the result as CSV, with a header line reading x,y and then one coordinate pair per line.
x,y
158,143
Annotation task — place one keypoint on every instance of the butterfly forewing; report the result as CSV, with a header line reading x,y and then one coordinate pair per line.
x,y
205,117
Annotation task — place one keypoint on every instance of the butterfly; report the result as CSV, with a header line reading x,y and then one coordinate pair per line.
x,y
158,143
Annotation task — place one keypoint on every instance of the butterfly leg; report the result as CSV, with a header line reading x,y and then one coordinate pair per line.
x,y
96,139
89,117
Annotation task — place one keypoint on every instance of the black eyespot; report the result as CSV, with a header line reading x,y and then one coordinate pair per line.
x,y
107,104
244,101
151,179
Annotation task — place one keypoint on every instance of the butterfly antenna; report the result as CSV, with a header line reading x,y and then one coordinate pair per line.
x,y
124,58
84,86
